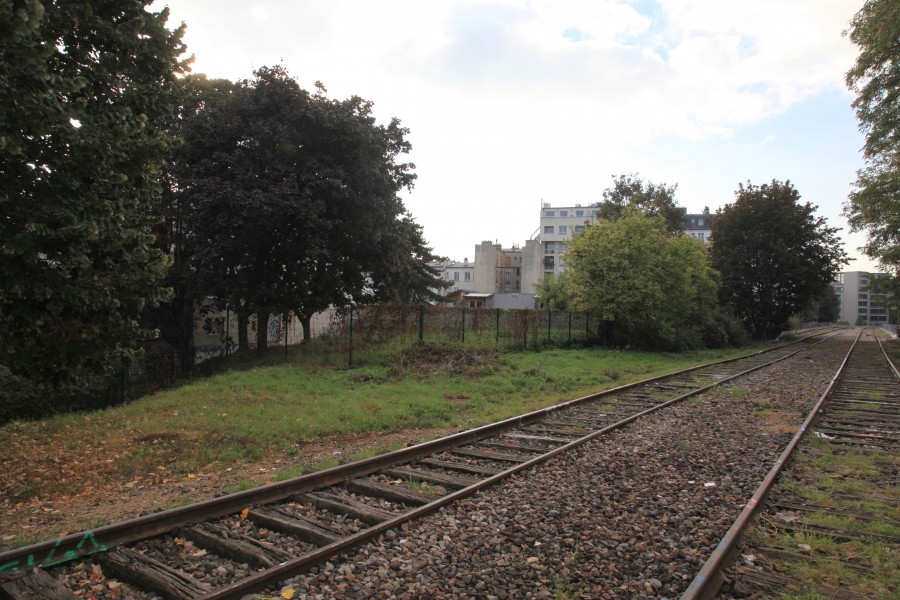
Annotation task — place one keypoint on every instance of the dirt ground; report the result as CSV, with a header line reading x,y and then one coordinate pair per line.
x,y
43,518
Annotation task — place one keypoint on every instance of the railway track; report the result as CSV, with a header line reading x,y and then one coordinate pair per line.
x,y
263,536
830,525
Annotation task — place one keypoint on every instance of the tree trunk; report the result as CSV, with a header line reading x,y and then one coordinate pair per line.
x,y
243,343
262,332
305,321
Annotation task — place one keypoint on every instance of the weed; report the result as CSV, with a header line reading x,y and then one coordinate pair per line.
x,y
240,486
563,589
687,445
288,473
424,487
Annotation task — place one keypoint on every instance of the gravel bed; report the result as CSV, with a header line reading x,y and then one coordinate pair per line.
x,y
288,543
203,566
633,514
338,523
86,580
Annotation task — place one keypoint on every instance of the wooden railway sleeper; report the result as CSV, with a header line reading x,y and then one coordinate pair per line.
x,y
347,506
220,540
303,528
149,574
395,493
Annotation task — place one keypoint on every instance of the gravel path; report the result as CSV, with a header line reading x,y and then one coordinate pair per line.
x,y
633,514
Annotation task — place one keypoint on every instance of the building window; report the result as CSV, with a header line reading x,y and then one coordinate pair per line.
x,y
550,248
579,213
700,222
468,276
563,248
548,229
700,236
549,213
506,277
564,213
579,229
455,275
563,229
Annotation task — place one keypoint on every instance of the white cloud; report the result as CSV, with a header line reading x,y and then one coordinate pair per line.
x,y
510,101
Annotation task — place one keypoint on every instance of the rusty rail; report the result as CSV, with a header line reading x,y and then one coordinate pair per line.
x,y
707,582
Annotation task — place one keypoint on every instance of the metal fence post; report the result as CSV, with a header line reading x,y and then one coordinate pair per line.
x,y
463,332
570,326
498,327
549,318
227,329
525,332
350,355
421,322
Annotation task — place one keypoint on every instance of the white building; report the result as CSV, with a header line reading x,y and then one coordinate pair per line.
x,y
698,225
460,275
858,304
558,225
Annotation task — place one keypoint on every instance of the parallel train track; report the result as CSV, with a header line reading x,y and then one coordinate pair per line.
x,y
859,415
271,533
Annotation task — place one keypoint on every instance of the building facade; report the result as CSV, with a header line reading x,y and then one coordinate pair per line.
x,y
519,269
860,306
460,275
698,225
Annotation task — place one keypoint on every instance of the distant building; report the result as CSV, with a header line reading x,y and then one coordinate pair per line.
x,y
519,269
858,304
698,225
558,225
460,275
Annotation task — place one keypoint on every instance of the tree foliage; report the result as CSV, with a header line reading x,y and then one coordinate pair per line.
x,y
874,204
651,198
293,201
552,293
774,255
648,288
86,87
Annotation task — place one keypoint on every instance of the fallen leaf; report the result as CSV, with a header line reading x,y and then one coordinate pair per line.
x,y
287,593
244,513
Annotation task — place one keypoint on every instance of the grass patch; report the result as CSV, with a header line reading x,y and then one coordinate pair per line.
x,y
245,416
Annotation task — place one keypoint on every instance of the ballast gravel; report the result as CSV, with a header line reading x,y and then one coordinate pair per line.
x,y
633,514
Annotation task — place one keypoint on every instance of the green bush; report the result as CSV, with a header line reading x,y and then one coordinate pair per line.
x,y
21,399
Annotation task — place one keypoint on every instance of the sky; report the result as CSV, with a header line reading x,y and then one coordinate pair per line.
x,y
515,103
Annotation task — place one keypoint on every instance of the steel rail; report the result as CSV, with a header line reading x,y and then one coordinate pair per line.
x,y
101,539
886,357
706,583
263,579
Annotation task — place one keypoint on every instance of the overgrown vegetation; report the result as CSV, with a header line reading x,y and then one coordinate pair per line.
x,y
873,205
244,416
866,564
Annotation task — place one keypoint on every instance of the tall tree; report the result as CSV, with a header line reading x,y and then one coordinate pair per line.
x,y
294,202
774,255
648,288
86,87
651,198
874,205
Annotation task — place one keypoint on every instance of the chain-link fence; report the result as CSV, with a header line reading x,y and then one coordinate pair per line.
x,y
372,334
354,336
